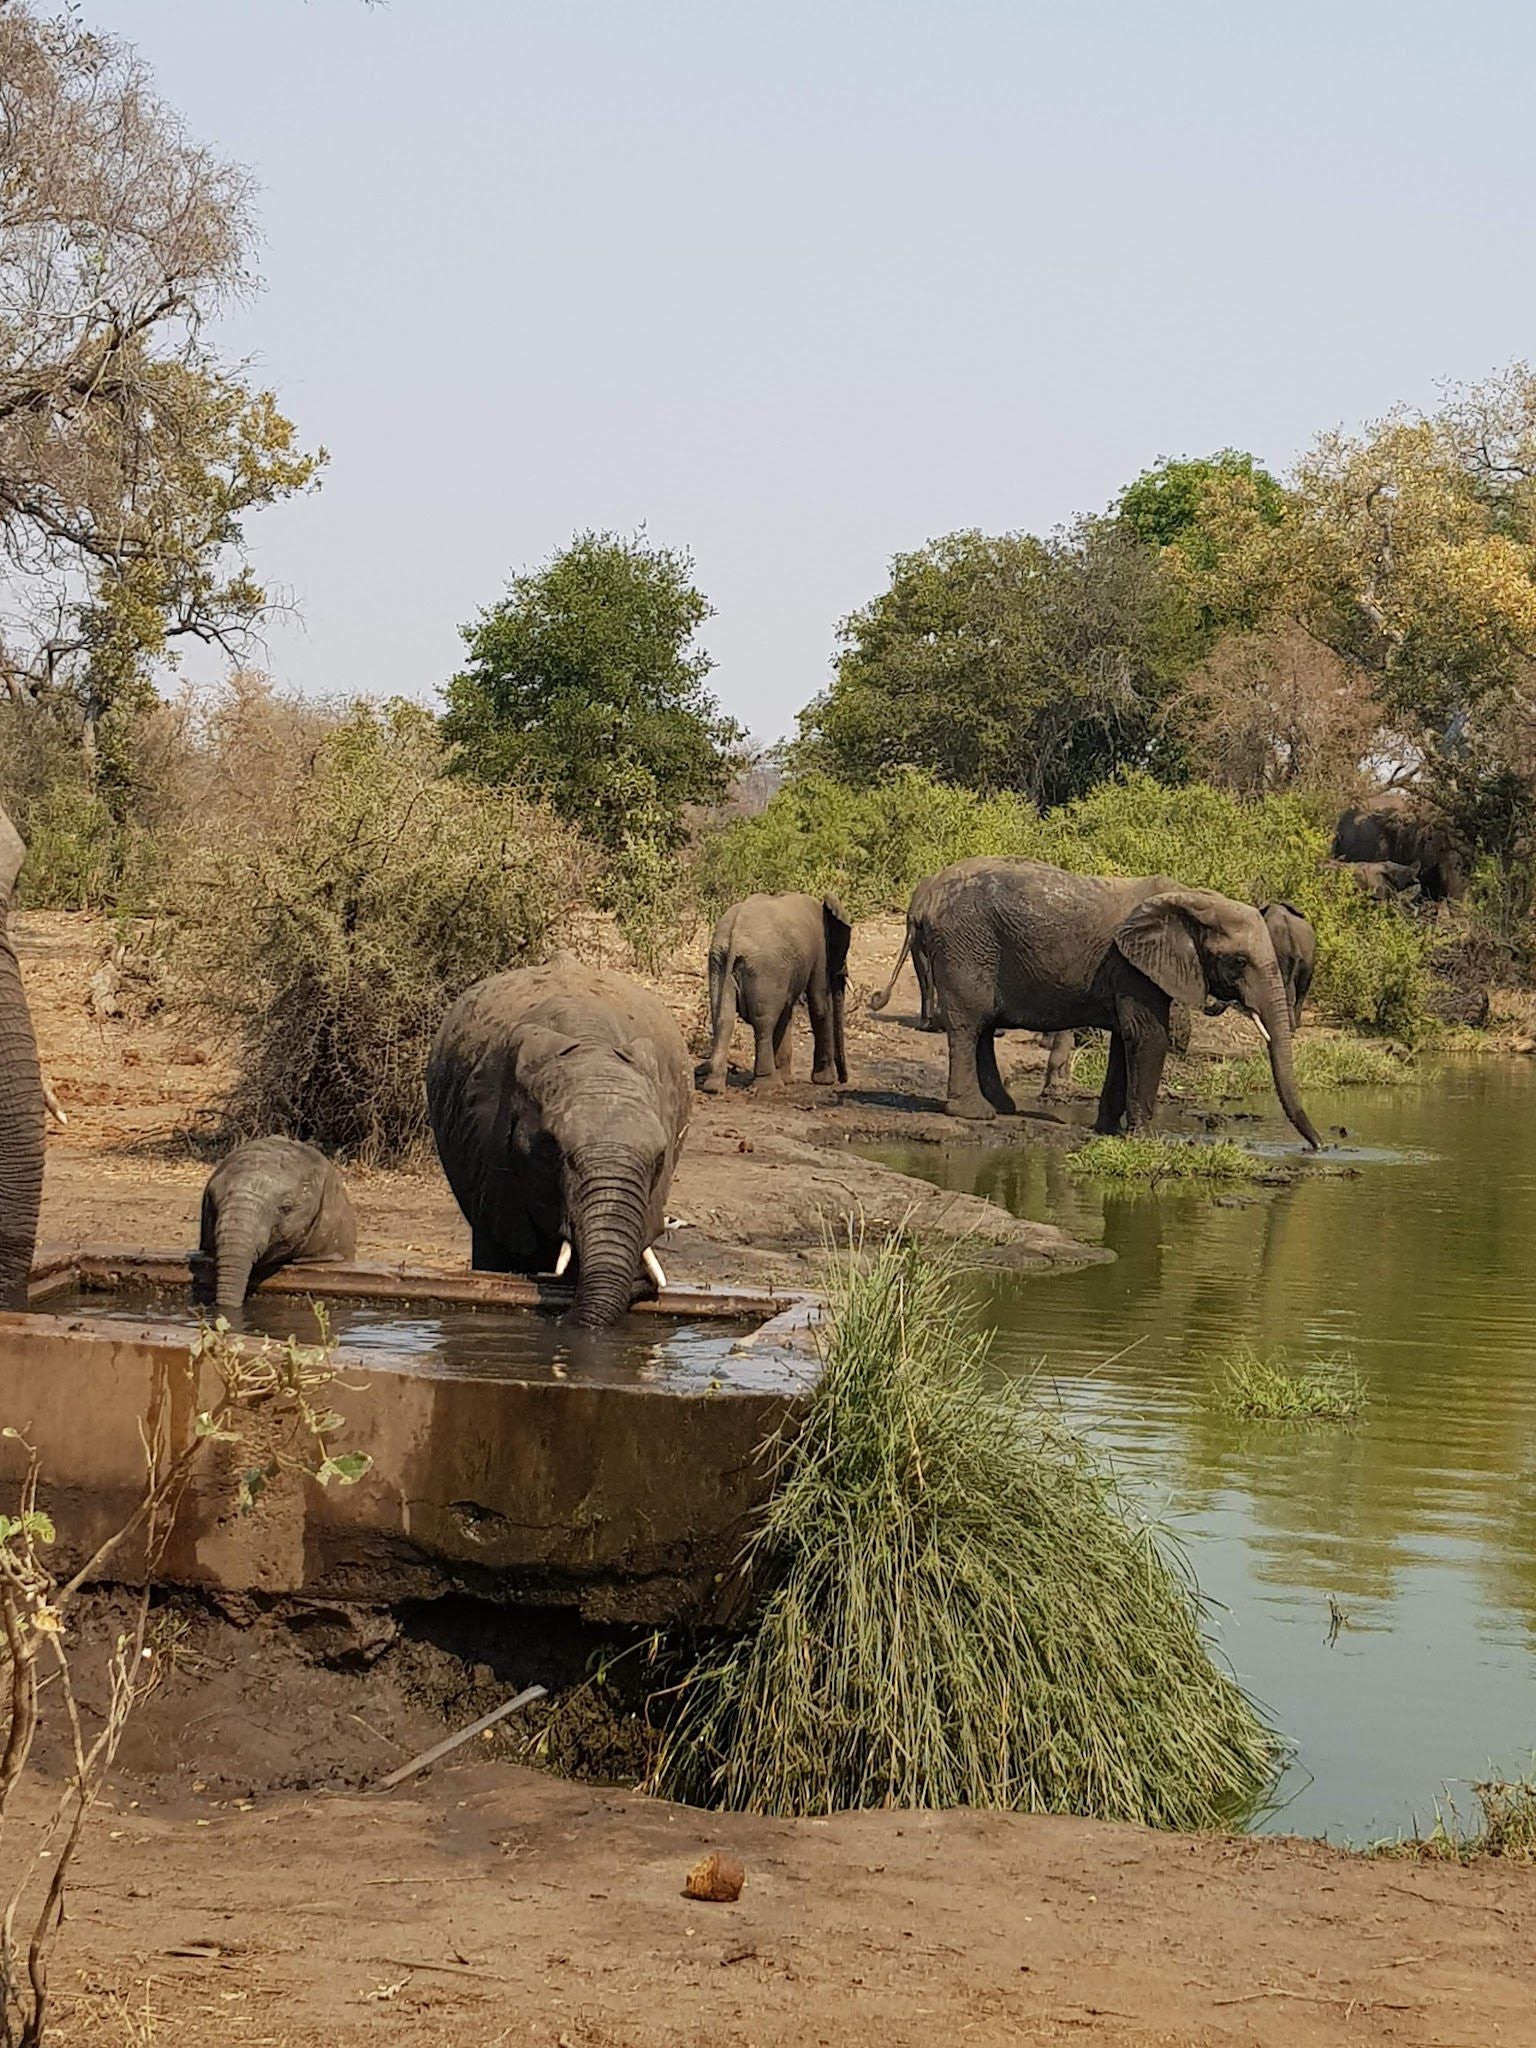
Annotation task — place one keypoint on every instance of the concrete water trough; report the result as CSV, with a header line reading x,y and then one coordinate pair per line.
x,y
512,1459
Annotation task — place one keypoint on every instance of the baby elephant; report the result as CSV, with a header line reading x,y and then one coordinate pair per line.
x,y
767,952
271,1201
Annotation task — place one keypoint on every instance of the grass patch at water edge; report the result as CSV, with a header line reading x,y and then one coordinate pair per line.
x,y
1508,1830
1321,1064
1147,1162
1271,1389
956,1606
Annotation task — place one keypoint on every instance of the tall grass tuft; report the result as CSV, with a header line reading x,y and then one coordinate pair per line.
x,y
1271,1389
957,1606
1321,1064
1149,1161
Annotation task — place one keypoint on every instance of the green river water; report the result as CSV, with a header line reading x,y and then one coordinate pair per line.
x,y
1418,1522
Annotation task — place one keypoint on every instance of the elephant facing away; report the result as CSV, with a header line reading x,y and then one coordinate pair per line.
x,y
1395,827
271,1201
766,954
21,1098
1018,944
559,1097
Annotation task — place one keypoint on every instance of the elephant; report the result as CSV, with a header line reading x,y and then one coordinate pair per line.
x,y
1019,944
1395,827
559,1096
270,1201
1295,943
1060,1045
765,954
21,1098
1385,881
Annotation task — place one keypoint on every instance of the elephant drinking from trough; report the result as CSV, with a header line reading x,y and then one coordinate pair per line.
x,y
767,952
21,1099
267,1202
559,1096
1018,944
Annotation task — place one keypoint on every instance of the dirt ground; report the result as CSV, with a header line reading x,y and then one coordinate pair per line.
x,y
241,1888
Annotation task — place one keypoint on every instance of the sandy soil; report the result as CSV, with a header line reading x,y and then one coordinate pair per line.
x,y
242,1890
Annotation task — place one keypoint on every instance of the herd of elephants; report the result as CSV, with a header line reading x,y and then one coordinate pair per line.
x,y
559,1095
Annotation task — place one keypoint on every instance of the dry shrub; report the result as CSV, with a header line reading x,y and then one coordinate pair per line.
x,y
339,904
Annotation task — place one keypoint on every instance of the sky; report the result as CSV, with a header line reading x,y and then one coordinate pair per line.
x,y
797,284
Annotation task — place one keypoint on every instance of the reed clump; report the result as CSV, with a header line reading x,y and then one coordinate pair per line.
x,y
1508,1830
956,1605
1147,1161
1269,1388
1321,1064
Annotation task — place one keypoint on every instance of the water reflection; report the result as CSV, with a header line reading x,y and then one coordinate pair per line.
x,y
1420,1522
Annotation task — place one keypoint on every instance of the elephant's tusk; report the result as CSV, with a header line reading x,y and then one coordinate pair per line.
x,y
1259,1021
652,1265
564,1258
52,1104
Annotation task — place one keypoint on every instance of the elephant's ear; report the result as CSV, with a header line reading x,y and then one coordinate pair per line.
x,y
536,1043
839,930
1157,940
12,854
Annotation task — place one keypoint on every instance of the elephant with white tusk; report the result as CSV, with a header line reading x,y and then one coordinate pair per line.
x,y
1016,944
269,1202
559,1097
21,1099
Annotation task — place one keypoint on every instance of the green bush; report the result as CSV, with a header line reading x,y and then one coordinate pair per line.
x,y
958,1607
873,846
330,932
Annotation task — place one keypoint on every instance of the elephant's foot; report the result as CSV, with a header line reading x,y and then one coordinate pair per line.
x,y
769,1083
973,1108
825,1077
929,1024
712,1084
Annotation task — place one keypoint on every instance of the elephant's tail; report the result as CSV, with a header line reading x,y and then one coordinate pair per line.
x,y
879,1002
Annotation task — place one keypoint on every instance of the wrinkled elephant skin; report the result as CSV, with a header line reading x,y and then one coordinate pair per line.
x,y
21,1098
269,1202
559,1097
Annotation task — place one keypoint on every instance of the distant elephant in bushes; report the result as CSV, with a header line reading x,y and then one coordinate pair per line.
x,y
559,1097
1396,827
766,954
271,1202
1018,944
1385,881
21,1098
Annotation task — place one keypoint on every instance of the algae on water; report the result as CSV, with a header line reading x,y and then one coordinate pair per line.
x,y
957,1606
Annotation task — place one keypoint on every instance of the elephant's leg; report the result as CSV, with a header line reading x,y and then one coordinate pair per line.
x,y
989,1077
1112,1096
784,1044
770,1030
1058,1068
965,1098
928,1016
722,1003
818,1000
1147,1040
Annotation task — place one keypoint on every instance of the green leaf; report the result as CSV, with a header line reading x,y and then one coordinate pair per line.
x,y
347,1468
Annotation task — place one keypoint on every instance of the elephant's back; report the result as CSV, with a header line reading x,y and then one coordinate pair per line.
x,y
479,1032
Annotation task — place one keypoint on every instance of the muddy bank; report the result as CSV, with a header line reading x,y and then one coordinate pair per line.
x,y
761,1180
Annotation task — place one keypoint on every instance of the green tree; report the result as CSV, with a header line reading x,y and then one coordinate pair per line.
x,y
583,686
128,454
1006,662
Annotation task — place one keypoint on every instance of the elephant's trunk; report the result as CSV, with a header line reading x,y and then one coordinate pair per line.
x,y
21,1130
242,1234
608,1198
1269,1005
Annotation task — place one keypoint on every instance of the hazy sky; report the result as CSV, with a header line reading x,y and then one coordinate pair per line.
x,y
798,283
